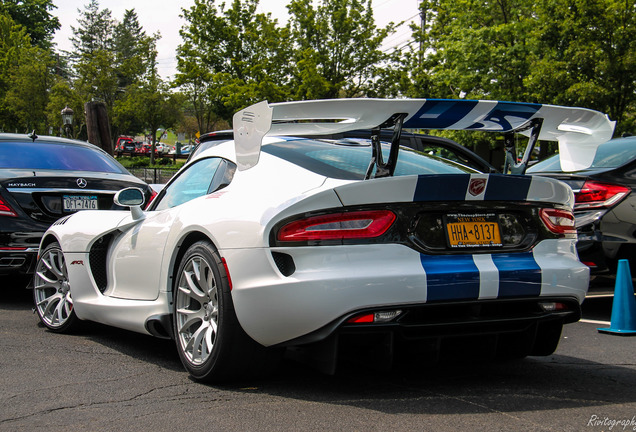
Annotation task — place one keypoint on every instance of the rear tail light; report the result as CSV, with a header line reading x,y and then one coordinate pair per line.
x,y
375,317
338,226
558,221
595,194
553,306
6,210
153,195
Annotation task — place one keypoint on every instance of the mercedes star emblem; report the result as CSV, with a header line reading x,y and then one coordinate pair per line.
x,y
81,182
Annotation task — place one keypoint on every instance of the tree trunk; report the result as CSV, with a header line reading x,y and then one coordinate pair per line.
x,y
98,126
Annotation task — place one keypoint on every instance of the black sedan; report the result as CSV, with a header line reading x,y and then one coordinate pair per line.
x,y
605,207
45,178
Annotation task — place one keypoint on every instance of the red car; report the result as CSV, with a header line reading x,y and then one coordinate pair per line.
x,y
144,148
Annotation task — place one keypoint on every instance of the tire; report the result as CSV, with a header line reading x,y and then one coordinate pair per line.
x,y
52,291
547,338
210,341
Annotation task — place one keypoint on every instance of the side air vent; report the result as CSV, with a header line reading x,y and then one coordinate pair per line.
x,y
97,258
61,221
285,263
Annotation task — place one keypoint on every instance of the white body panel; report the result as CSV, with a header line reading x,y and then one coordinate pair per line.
x,y
340,280
330,281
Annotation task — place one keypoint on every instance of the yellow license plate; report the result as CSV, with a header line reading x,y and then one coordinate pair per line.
x,y
473,231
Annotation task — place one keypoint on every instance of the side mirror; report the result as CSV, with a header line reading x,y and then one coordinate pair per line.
x,y
133,198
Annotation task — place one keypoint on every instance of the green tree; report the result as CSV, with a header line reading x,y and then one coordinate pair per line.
x,y
135,52
61,95
25,72
230,58
336,48
95,31
585,55
480,48
153,104
35,16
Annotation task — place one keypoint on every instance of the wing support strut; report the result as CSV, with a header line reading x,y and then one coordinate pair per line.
x,y
385,169
509,141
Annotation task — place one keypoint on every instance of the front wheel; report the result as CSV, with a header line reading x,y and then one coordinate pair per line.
x,y
52,291
210,341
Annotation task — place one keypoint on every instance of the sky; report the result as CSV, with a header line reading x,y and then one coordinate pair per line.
x,y
163,16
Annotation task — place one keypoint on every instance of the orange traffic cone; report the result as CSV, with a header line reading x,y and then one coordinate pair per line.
x,y
624,306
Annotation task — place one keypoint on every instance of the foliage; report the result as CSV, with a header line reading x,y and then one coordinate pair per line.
x,y
35,16
336,49
24,78
568,52
230,58
144,162
153,104
585,55
115,62
94,32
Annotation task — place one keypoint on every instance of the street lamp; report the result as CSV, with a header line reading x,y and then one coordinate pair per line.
x,y
67,120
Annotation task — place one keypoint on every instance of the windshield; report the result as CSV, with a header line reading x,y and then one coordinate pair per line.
x,y
349,159
40,155
611,154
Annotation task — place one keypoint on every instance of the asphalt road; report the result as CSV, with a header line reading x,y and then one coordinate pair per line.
x,y
105,379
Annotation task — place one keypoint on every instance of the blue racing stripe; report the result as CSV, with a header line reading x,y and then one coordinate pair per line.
x,y
447,187
507,116
519,275
507,187
440,114
450,277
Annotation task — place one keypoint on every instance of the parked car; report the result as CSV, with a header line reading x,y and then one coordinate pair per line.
x,y
145,149
125,145
605,204
185,150
272,240
209,140
162,148
45,178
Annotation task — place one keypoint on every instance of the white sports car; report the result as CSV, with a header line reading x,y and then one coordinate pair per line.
x,y
272,241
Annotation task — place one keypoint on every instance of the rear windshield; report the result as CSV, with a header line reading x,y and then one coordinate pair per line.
x,y
56,156
611,154
349,159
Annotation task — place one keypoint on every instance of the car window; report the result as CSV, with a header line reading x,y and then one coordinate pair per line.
x,y
446,153
611,154
40,155
551,164
615,153
193,182
349,159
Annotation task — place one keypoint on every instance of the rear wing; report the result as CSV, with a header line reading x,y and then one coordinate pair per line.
x,y
578,131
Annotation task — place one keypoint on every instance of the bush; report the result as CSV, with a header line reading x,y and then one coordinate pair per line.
x,y
140,161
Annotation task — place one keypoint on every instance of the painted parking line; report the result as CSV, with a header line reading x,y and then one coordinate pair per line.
x,y
607,323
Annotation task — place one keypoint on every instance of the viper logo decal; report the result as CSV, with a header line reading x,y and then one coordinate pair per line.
x,y
477,186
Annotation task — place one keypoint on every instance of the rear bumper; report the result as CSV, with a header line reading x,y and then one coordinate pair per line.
x,y
20,261
19,243
330,283
438,321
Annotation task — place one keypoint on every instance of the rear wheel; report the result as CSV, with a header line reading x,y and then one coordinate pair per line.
x,y
210,341
52,291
